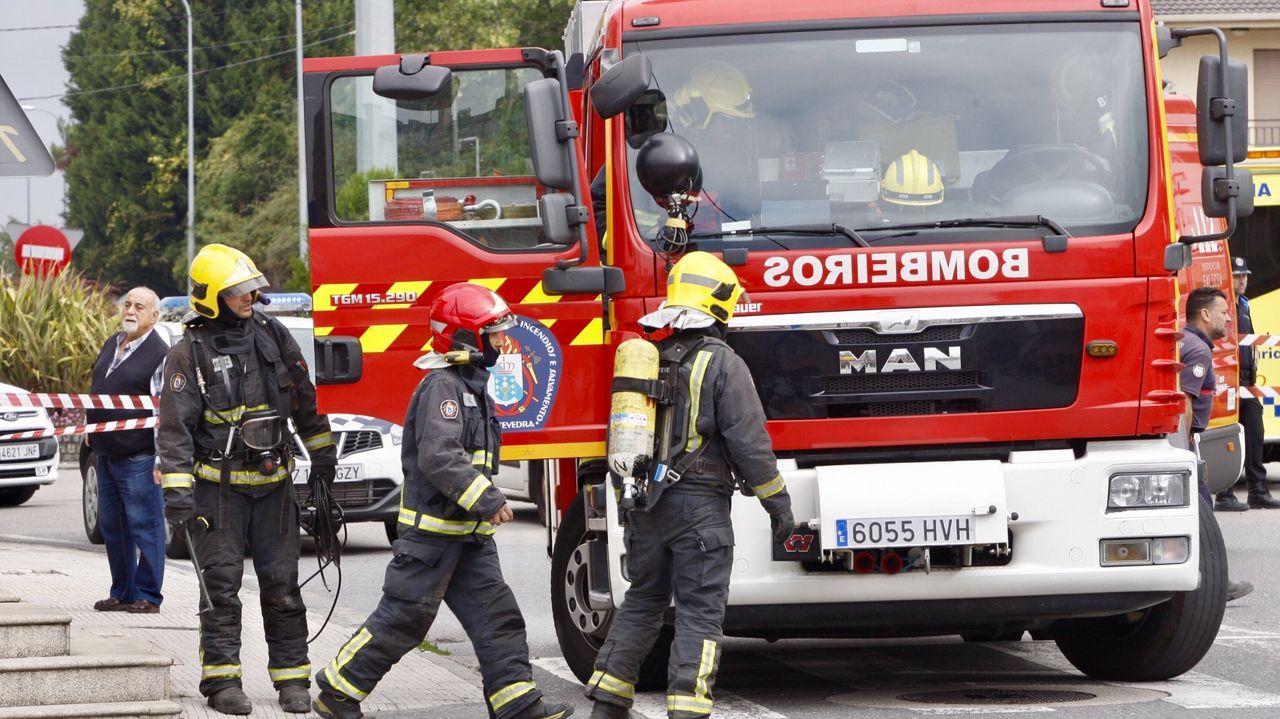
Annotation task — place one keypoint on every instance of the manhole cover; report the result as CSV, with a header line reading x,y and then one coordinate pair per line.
x,y
992,695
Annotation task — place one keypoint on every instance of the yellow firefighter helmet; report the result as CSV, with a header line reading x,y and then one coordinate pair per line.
x,y
912,180
221,270
713,88
704,282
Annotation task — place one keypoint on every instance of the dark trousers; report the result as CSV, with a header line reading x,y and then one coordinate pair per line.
x,y
131,519
1255,471
682,546
266,519
466,576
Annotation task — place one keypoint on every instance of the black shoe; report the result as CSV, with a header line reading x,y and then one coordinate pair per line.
x,y
605,710
540,710
331,706
1263,501
1235,590
231,700
1227,502
295,699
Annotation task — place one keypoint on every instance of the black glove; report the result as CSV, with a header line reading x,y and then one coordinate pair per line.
x,y
323,473
783,524
179,510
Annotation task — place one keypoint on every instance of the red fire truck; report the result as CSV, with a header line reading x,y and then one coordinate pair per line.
x,y
956,226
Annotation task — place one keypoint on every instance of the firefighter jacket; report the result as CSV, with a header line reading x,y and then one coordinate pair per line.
x,y
216,374
716,405
452,455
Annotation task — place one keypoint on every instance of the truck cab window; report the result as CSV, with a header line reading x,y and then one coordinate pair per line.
x,y
460,159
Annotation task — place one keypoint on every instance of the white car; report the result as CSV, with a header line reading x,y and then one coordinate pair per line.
x,y
25,464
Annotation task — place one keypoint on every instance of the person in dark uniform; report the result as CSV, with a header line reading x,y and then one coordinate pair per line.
x,y
130,508
1207,317
683,541
1255,471
230,386
449,510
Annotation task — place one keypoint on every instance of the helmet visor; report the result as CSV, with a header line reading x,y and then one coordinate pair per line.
x,y
502,324
245,287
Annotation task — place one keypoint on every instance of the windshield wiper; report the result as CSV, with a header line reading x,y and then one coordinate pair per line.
x,y
824,229
1056,242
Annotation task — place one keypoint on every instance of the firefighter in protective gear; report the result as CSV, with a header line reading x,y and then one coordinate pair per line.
x,y
230,385
684,540
713,110
911,181
449,510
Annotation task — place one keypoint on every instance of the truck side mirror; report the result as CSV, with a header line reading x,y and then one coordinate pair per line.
x,y
414,79
1217,188
1218,108
621,85
550,134
561,216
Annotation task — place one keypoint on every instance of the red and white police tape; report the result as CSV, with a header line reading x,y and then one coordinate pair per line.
x,y
78,401
26,400
114,426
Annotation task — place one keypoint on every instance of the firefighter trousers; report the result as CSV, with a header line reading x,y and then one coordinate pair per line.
x,y
266,519
467,577
683,545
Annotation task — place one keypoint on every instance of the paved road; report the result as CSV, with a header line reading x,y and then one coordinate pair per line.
x,y
812,679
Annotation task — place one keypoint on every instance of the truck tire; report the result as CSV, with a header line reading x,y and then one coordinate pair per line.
x,y
13,496
580,629
1163,641
89,496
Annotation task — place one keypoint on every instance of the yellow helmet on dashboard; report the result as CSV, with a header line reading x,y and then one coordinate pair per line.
x,y
713,88
702,281
912,180
221,270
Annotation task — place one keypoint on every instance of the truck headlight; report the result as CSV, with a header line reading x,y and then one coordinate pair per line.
x,y
1147,490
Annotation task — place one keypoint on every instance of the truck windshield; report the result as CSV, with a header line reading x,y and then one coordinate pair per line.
x,y
876,128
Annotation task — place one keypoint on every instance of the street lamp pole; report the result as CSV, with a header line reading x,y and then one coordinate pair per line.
x,y
191,145
33,108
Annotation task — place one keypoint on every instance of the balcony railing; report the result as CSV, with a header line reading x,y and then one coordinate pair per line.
x,y
1264,133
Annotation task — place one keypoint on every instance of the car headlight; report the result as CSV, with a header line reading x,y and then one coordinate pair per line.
x,y
397,435
1148,490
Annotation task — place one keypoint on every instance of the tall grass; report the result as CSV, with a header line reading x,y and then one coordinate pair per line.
x,y
51,330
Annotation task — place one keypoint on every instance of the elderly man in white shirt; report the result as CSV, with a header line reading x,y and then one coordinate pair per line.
x,y
130,503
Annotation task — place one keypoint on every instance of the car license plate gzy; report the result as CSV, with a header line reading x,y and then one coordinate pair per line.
x,y
878,532
19,451
343,473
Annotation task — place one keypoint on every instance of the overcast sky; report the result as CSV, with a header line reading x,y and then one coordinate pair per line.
x,y
31,64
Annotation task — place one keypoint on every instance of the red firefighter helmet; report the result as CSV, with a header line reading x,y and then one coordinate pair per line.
x,y
462,313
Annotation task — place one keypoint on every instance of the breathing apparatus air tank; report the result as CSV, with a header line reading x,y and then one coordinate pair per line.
x,y
632,415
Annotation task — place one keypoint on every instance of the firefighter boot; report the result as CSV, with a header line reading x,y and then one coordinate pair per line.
x,y
540,710
334,706
231,700
605,710
295,699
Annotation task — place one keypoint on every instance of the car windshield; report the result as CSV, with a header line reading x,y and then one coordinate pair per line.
x,y
875,128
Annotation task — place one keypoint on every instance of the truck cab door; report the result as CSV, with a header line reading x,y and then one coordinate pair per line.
x,y
408,196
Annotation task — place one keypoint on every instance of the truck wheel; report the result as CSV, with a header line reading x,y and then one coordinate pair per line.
x,y
13,496
89,496
580,629
1160,642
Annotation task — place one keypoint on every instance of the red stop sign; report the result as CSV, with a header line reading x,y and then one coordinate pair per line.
x,y
42,250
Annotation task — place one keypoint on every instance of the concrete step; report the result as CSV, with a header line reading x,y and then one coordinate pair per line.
x,y
98,670
7,596
163,709
28,630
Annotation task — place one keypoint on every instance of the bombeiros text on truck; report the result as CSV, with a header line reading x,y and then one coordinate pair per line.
x,y
959,234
